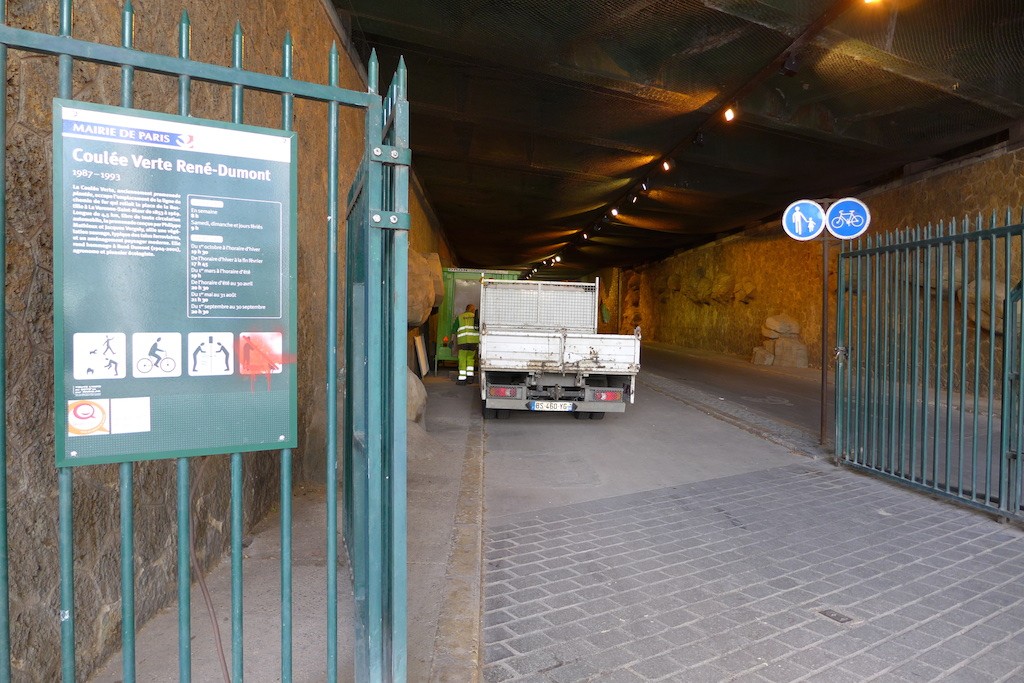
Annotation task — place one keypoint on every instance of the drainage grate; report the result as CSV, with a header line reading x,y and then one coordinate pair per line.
x,y
836,616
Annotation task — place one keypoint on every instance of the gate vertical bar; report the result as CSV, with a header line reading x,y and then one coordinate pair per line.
x,y
926,361
977,363
237,473
841,404
184,496
374,305
5,604
125,468
940,282
858,365
1012,502
64,474
1009,329
399,203
286,454
915,344
332,375
991,361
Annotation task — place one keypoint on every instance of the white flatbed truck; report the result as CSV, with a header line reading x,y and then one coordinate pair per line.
x,y
540,350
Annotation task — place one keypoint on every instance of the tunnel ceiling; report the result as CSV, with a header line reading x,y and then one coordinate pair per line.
x,y
533,119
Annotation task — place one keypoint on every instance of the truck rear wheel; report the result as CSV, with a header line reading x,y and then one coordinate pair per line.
x,y
581,415
488,413
597,416
504,413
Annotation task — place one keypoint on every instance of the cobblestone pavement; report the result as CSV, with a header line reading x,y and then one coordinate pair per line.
x,y
735,579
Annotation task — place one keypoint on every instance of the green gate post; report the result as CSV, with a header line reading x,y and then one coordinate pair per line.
x,y
125,468
237,473
64,474
376,261
332,375
286,454
184,497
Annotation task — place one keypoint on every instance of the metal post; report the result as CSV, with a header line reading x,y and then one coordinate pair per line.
x,y
332,374
286,454
824,337
237,472
64,476
184,497
125,468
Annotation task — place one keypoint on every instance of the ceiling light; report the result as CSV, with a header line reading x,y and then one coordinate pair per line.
x,y
585,236
633,200
667,165
615,212
729,114
643,186
558,259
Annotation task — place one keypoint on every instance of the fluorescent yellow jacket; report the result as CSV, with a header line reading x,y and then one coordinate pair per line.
x,y
466,332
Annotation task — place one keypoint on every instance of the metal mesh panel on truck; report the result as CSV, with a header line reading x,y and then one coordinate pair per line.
x,y
522,304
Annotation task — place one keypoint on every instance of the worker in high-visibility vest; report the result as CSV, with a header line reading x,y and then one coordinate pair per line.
x,y
467,337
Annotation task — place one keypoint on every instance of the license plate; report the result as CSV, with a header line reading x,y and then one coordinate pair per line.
x,y
561,406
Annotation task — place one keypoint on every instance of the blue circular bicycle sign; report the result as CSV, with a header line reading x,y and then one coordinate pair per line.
x,y
848,218
803,220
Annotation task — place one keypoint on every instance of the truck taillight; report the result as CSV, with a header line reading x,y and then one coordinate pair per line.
x,y
607,395
502,392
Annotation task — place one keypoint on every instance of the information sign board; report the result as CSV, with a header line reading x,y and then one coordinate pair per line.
x,y
803,220
848,218
174,286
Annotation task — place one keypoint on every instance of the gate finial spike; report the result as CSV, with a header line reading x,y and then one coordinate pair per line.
x,y
372,73
286,55
401,75
332,67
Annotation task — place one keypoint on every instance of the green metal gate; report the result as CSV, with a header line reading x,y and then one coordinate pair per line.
x,y
928,378
374,464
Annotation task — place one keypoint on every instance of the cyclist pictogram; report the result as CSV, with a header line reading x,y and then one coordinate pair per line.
x,y
156,354
848,218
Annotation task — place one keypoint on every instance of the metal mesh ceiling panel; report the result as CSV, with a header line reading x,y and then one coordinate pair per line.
x,y
532,119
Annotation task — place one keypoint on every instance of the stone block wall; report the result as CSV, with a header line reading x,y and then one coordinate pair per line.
x,y
32,81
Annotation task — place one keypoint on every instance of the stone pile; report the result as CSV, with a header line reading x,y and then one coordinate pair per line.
x,y
782,345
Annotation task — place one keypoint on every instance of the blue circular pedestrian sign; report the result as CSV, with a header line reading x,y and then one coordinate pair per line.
x,y
848,218
803,220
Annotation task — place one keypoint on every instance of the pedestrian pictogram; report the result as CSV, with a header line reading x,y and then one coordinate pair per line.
x,y
848,218
99,355
803,220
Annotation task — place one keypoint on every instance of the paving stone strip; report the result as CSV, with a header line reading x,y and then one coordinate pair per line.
x,y
801,573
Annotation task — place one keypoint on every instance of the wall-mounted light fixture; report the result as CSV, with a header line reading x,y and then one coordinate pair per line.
x,y
667,165
730,113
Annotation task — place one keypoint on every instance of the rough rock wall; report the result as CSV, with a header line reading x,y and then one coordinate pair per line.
x,y
32,477
717,296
